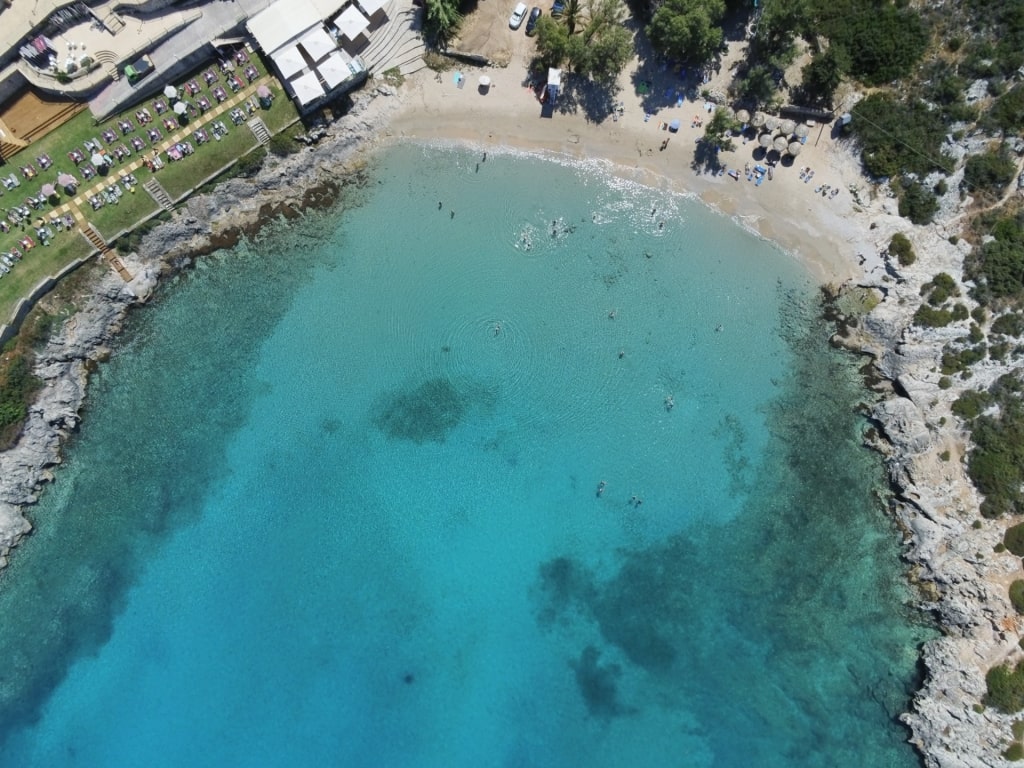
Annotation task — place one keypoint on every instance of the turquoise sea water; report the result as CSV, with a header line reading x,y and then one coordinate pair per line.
x,y
335,501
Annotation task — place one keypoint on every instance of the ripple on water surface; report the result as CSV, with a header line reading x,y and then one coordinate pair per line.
x,y
371,533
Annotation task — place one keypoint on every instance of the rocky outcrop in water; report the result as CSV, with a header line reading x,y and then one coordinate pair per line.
x,y
236,209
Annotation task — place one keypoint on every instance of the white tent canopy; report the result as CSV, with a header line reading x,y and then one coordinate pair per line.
x,y
335,70
318,44
370,7
352,23
282,21
289,61
307,88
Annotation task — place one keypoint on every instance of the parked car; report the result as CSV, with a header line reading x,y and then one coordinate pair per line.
x,y
557,9
531,23
518,14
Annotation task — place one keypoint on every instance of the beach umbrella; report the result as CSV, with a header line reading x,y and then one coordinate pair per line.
x,y
795,147
743,116
781,143
97,159
485,81
770,124
49,190
787,126
802,130
171,92
765,140
758,119
674,126
180,108
263,92
66,180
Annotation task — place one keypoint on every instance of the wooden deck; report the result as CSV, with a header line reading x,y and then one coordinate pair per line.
x,y
29,116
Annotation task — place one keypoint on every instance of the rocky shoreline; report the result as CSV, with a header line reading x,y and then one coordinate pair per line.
x,y
238,207
962,582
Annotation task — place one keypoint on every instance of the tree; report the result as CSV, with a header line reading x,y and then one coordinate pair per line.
x,y
442,21
781,21
687,30
918,203
600,50
756,84
717,133
572,15
991,171
824,73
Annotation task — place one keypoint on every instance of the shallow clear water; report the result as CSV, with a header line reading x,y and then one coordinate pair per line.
x,y
336,501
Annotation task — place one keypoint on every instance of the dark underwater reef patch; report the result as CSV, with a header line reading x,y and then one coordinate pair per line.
x,y
426,412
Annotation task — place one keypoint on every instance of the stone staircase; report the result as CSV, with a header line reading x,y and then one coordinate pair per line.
x,y
113,23
159,194
259,130
400,46
110,60
109,255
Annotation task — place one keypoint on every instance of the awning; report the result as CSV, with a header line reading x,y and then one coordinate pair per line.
x,y
370,7
335,70
283,21
289,61
352,23
307,88
318,44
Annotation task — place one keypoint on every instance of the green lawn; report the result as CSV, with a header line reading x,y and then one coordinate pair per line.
x,y
177,178
38,264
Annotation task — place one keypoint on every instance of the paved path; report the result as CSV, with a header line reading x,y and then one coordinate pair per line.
x,y
75,206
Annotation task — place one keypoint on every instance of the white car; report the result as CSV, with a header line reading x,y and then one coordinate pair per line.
x,y
518,14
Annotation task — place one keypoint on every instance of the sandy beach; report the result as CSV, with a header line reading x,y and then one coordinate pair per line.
x,y
826,233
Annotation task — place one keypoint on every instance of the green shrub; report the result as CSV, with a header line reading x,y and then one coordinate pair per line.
x,y
945,382
250,163
1014,539
929,317
282,145
1005,687
1017,728
898,137
918,203
1010,324
1017,595
901,248
997,267
976,335
960,313
1014,752
999,548
970,404
989,172
944,456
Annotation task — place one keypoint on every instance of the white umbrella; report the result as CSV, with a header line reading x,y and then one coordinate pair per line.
x,y
485,81
180,108
171,92
98,159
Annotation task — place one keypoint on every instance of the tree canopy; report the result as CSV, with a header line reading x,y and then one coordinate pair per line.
x,y
688,30
592,42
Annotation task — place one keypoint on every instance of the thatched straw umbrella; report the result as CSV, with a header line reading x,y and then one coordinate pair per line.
x,y
802,130
781,143
758,119
787,126
795,147
770,124
765,140
742,115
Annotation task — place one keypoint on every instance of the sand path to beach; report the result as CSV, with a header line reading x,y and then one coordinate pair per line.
x,y
830,235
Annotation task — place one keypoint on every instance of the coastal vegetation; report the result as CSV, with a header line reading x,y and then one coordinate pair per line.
x,y
589,40
1006,687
